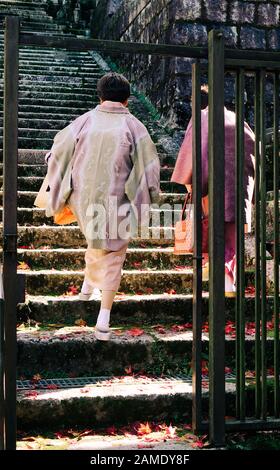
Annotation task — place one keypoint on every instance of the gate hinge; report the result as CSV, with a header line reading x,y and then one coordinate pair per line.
x,y
10,243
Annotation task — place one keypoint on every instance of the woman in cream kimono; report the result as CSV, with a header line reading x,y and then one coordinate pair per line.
x,y
183,175
105,167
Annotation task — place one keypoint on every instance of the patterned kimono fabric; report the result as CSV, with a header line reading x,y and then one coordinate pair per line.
x,y
104,160
183,175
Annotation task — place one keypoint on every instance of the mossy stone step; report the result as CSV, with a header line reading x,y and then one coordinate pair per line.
x,y
75,102
75,350
131,309
141,258
27,198
36,217
57,282
50,110
71,236
66,72
123,401
33,183
53,67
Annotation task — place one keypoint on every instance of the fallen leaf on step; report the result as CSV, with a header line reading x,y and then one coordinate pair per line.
x,y
137,265
128,370
112,431
80,322
36,378
23,266
31,394
149,290
72,290
159,329
118,332
143,429
135,332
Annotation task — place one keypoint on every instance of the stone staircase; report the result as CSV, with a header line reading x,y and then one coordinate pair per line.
x,y
65,376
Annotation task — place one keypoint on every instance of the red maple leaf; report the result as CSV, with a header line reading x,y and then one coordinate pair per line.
x,y
112,431
144,429
250,291
72,290
178,328
128,370
31,394
137,264
52,387
135,332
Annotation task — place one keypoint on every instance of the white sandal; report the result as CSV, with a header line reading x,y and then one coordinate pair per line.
x,y
102,335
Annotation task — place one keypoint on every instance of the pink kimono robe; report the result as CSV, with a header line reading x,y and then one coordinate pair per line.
x,y
105,159
183,174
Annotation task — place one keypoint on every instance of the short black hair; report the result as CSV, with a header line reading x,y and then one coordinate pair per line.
x,y
113,87
204,96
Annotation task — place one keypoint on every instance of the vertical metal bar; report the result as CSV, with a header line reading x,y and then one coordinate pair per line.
x,y
216,239
258,391
197,260
2,397
240,246
10,150
276,175
263,247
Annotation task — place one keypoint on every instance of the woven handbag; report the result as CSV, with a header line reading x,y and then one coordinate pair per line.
x,y
184,230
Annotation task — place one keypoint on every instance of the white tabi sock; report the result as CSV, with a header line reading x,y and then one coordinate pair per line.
x,y
103,320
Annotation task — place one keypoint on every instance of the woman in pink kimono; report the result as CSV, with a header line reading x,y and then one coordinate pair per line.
x,y
183,175
105,167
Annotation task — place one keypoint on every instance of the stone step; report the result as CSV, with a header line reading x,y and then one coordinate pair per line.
x,y
44,108
20,4
75,79
54,282
54,88
137,258
120,401
49,54
57,282
129,309
80,72
75,102
37,170
27,198
60,61
37,217
71,237
69,68
74,350
37,156
41,123
33,183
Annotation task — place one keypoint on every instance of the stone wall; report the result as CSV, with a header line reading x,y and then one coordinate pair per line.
x,y
246,24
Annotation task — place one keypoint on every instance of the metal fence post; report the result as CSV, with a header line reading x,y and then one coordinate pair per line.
x,y
197,258
216,240
2,398
10,151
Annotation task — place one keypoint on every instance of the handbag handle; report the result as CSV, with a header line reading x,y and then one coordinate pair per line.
x,y
188,199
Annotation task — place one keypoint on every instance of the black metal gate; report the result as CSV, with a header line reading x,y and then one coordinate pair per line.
x,y
219,61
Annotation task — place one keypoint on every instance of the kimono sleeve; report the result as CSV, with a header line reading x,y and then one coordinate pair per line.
x,y
143,183
183,168
59,170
